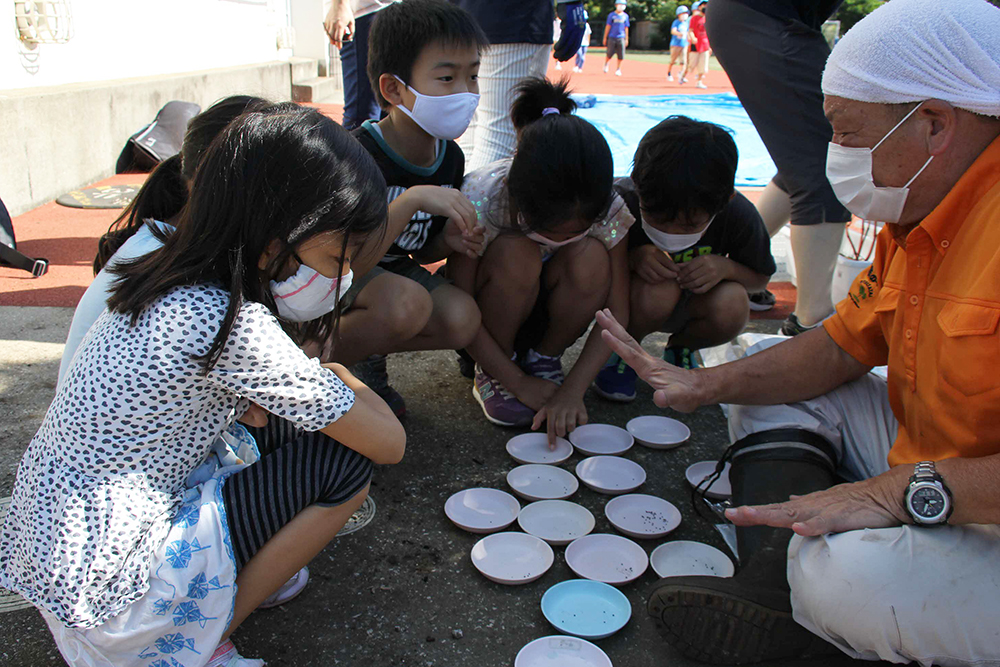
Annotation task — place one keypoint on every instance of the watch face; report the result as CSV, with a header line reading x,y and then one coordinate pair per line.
x,y
927,502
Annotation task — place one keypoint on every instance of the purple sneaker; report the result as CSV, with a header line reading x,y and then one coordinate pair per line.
x,y
499,405
546,368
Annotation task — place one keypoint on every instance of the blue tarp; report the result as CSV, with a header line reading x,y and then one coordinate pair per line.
x,y
623,119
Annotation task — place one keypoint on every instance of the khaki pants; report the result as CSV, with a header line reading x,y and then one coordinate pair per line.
x,y
929,595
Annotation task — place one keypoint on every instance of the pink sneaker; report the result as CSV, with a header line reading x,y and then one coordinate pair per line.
x,y
289,590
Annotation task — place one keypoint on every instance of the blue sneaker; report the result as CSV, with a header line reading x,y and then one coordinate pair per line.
x,y
682,357
616,381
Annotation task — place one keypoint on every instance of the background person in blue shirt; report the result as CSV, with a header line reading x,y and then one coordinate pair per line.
x,y
680,38
616,36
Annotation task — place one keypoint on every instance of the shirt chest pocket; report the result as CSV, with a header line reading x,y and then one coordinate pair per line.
x,y
969,347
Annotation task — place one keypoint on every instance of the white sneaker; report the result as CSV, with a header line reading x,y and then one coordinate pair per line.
x,y
559,66
684,79
701,84
618,72
288,590
577,69
605,69
670,77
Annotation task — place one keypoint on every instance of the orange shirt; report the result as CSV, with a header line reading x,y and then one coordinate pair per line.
x,y
931,312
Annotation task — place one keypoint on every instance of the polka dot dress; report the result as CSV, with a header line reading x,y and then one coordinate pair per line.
x,y
101,481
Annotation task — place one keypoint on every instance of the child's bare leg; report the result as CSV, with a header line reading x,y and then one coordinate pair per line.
x,y
507,284
578,278
388,312
287,552
650,305
716,317
453,323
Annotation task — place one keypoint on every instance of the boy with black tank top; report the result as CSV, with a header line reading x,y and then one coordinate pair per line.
x,y
423,63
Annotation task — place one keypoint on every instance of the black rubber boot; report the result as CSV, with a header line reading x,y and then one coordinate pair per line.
x,y
748,618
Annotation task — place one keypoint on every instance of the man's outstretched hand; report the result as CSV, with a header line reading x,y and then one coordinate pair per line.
x,y
872,503
674,387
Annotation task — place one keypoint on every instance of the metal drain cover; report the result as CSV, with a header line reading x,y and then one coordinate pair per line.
x,y
9,600
361,518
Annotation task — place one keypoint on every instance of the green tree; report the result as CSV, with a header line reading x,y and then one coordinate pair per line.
x,y
853,11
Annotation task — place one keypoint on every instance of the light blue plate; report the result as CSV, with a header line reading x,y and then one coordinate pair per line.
x,y
585,608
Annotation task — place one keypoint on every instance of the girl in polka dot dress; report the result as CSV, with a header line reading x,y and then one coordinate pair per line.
x,y
129,563
551,257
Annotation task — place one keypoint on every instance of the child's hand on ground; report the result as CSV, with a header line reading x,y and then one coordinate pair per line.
x,y
464,244
703,273
652,264
561,414
534,392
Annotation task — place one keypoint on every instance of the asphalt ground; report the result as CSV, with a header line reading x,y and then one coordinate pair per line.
x,y
402,590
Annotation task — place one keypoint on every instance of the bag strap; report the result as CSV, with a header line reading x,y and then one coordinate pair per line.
x,y
36,267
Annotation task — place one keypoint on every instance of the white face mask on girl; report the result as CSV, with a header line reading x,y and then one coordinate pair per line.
x,y
442,116
849,170
308,294
673,242
547,242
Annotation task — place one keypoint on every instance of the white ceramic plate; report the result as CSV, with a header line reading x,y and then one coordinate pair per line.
x,y
658,432
558,522
482,510
608,558
534,448
561,651
512,558
541,482
682,558
642,516
601,439
720,489
610,474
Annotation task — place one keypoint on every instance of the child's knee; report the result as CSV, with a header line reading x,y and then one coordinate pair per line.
x,y
514,261
589,268
459,317
730,305
653,302
407,311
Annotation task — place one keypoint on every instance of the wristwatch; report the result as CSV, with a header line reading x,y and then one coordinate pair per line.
x,y
927,499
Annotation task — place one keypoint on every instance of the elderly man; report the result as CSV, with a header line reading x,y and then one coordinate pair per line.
x,y
902,563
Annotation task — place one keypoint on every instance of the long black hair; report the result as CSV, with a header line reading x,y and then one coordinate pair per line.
x,y
165,191
285,174
562,168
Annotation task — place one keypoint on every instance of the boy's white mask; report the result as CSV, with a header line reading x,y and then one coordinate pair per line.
x,y
441,116
673,242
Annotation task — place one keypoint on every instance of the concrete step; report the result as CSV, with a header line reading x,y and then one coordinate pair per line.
x,y
316,89
303,69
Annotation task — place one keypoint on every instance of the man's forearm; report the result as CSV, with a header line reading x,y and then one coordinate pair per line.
x,y
803,367
973,484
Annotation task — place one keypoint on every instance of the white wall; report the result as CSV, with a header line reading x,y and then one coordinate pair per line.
x,y
115,39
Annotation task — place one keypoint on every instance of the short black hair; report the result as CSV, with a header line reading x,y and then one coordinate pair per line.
x,y
562,168
403,29
684,167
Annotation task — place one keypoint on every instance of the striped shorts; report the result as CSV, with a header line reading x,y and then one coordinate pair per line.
x,y
296,469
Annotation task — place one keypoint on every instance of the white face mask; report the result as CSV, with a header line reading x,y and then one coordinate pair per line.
x,y
308,294
547,242
849,171
442,116
673,242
